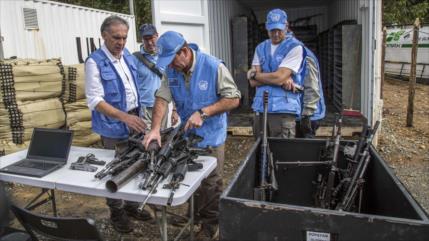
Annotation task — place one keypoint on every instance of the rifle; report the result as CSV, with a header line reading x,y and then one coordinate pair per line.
x,y
163,154
129,172
357,179
121,161
267,180
160,174
178,176
326,192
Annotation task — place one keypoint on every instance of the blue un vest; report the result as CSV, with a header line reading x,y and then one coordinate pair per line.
x,y
202,92
279,100
114,94
321,108
148,82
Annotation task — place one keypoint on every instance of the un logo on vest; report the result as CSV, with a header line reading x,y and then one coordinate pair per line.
x,y
279,58
203,85
275,17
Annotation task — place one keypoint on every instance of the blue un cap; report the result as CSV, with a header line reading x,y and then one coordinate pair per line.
x,y
147,29
168,45
276,19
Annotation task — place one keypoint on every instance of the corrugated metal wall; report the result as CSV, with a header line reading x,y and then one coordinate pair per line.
x,y
59,26
220,15
340,10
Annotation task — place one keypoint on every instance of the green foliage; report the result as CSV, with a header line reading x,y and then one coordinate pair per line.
x,y
405,11
142,8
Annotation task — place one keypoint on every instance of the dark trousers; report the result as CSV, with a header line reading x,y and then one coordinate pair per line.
x,y
117,206
278,125
208,194
314,126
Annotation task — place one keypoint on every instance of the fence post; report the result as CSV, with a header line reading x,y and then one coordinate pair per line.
x,y
412,81
383,59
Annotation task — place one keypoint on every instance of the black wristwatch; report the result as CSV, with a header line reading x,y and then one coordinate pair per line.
x,y
203,115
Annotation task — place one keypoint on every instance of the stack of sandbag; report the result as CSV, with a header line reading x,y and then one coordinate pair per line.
x,y
30,92
78,116
74,83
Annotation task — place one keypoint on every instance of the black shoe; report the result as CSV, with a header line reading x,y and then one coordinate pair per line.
x,y
136,214
121,223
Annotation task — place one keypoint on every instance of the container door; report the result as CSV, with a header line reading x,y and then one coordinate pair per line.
x,y
188,17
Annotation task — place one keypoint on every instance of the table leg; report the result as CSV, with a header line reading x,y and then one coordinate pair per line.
x,y
164,224
51,197
191,218
54,204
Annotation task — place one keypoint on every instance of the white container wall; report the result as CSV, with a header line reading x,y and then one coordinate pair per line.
x,y
44,29
189,17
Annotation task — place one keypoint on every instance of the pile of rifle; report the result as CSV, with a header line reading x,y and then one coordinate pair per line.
x,y
342,188
175,158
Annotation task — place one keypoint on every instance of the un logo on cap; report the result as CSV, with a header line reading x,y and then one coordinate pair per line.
x,y
275,17
160,49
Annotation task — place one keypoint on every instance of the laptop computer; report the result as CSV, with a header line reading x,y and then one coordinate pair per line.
x,y
49,150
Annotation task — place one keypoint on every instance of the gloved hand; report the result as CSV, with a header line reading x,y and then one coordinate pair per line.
x,y
305,125
251,74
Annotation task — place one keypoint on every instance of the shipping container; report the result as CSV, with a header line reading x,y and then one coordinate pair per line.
x,y
42,29
210,23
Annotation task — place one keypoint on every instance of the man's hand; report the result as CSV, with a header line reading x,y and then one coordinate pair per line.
x,y
288,84
134,122
152,135
305,125
174,117
194,121
251,74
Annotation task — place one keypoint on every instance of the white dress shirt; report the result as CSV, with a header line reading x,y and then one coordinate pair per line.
x,y
292,60
94,90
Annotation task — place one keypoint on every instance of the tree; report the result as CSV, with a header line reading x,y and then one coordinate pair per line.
x,y
405,11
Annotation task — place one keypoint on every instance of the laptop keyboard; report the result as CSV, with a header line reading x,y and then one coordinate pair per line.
x,y
37,165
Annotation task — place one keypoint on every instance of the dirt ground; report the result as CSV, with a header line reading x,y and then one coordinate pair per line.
x,y
404,148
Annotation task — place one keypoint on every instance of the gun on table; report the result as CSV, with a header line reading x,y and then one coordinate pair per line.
x,y
127,173
178,176
357,179
161,173
163,154
84,163
267,180
121,161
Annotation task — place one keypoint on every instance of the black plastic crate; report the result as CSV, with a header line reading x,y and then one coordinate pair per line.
x,y
389,212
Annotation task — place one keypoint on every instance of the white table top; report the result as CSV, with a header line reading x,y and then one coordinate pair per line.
x,y
84,182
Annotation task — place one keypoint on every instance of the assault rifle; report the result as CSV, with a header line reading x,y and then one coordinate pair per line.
x,y
267,181
356,183
325,195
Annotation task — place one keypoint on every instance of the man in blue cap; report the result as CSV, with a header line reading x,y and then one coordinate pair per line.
x,y
203,91
148,75
275,61
112,96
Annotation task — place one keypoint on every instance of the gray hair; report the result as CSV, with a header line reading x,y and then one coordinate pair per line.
x,y
109,21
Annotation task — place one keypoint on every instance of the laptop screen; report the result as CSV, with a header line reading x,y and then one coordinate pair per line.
x,y
50,144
